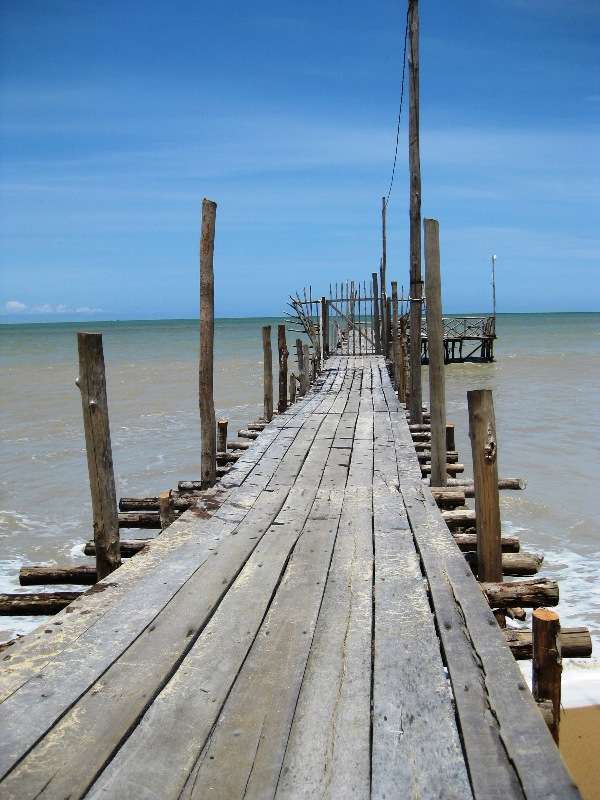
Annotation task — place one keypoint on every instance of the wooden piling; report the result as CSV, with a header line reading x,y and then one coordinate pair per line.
x,y
435,338
547,662
166,510
92,384
208,464
375,321
222,435
300,360
292,388
450,439
395,335
268,373
282,403
325,327
416,284
306,368
388,327
484,448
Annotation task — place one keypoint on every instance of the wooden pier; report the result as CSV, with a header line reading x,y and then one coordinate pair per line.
x,y
318,633
317,613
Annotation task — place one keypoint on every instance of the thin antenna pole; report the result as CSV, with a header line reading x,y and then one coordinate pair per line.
x,y
494,285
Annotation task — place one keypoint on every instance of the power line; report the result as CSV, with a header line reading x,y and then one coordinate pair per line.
x,y
399,111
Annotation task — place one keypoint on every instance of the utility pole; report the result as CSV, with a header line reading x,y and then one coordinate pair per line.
x,y
416,284
494,285
383,244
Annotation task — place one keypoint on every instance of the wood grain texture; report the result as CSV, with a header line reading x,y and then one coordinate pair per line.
x,y
94,403
484,449
435,349
207,335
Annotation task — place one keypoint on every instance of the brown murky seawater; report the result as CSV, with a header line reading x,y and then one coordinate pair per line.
x,y
546,384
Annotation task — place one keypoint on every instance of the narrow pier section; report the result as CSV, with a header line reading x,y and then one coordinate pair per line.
x,y
321,634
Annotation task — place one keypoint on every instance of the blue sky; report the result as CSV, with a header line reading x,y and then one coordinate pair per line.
x,y
118,117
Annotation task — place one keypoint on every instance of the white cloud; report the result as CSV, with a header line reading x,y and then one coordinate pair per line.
x,y
14,306
17,307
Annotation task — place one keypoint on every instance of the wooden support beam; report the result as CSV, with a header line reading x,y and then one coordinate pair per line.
x,y
283,353
416,284
451,469
267,374
17,605
237,445
435,340
139,519
484,448
166,510
533,593
207,335
153,503
468,542
300,361
42,575
245,433
503,483
227,458
395,338
306,369
325,327
376,326
222,435
128,547
92,384
547,662
450,440
574,643
460,518
516,565
292,388
448,498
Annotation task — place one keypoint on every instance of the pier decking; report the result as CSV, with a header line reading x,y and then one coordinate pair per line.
x,y
319,635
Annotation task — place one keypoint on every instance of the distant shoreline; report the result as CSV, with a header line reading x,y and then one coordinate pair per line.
x,y
70,319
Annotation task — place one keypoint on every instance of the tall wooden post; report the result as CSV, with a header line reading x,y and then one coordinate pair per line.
x,y
416,284
325,327
402,393
306,376
383,245
300,360
388,326
92,384
435,338
395,334
283,369
383,311
376,328
484,447
547,662
208,465
268,374
292,389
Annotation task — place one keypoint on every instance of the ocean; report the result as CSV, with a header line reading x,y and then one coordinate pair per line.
x,y
546,384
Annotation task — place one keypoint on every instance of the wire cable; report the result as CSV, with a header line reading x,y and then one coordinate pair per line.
x,y
399,112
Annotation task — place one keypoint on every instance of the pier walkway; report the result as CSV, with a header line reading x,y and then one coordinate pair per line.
x,y
320,635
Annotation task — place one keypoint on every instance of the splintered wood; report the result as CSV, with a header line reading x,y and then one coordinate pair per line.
x,y
319,635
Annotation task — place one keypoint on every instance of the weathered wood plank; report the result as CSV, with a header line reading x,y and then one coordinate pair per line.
x,y
244,755
328,750
508,748
413,719
180,720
